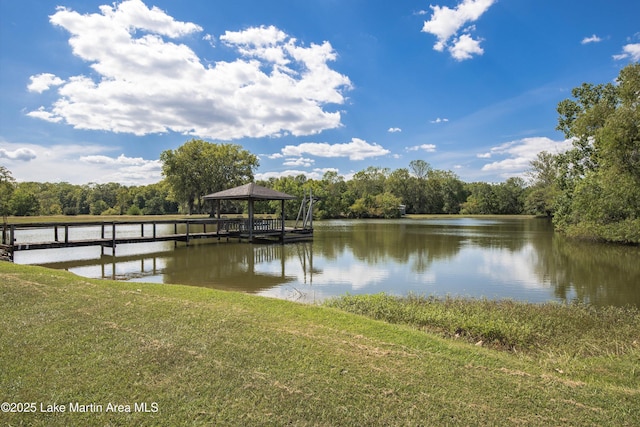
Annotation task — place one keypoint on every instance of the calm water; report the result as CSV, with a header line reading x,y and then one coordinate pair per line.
x,y
520,259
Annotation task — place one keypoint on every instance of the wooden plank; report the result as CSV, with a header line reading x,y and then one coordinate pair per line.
x,y
264,228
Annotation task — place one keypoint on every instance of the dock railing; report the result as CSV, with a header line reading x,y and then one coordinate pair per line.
x,y
17,237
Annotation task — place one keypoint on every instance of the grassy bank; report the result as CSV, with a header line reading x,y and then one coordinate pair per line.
x,y
206,357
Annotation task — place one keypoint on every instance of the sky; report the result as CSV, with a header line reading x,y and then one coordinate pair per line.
x,y
95,91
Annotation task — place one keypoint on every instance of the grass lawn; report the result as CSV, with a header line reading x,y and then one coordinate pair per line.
x,y
198,356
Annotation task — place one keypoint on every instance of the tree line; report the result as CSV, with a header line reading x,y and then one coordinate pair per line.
x,y
592,190
44,198
372,193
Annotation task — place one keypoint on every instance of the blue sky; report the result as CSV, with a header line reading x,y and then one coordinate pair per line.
x,y
94,91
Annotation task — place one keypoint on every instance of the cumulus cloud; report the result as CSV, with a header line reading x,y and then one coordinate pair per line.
x,y
394,130
446,23
77,164
147,81
464,47
439,120
22,154
357,149
429,148
519,154
631,51
592,39
300,161
42,114
316,173
41,82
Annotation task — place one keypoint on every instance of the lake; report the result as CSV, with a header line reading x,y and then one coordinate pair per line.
x,y
515,258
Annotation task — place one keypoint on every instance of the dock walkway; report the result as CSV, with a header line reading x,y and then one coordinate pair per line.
x,y
109,234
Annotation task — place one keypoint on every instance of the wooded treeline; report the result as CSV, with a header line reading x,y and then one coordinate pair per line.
x,y
373,192
592,190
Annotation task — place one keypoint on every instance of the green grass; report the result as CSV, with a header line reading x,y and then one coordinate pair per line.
x,y
209,357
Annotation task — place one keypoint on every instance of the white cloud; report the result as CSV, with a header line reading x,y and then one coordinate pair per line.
x,y
592,39
520,153
43,114
629,51
394,130
300,161
445,23
210,39
357,149
41,82
22,154
465,47
316,173
148,82
483,155
429,148
439,120
76,164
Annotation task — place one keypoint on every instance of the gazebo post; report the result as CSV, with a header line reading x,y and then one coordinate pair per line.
x,y
251,220
282,221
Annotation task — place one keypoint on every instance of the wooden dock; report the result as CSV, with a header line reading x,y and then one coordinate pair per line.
x,y
19,237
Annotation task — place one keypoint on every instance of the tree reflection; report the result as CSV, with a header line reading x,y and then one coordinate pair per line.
x,y
524,255
600,274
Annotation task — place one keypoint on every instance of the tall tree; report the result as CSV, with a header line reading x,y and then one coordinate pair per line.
x,y
544,189
401,184
331,204
600,176
421,170
369,181
7,186
198,168
24,201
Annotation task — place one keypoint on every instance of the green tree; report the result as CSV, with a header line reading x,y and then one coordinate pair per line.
x,y
198,168
102,197
387,205
453,193
369,181
423,198
401,184
544,190
24,201
600,177
292,185
7,187
481,201
510,196
49,199
329,191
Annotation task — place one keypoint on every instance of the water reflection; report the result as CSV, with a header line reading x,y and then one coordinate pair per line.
x,y
507,258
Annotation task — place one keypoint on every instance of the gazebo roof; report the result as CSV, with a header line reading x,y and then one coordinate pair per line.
x,y
250,191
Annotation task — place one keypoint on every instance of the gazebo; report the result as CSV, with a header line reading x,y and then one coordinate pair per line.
x,y
252,192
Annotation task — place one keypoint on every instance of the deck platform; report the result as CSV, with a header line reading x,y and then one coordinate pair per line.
x,y
110,234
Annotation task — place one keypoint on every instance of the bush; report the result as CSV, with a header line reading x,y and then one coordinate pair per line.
x,y
134,210
71,211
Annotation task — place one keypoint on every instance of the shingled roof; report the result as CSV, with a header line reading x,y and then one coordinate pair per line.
x,y
250,191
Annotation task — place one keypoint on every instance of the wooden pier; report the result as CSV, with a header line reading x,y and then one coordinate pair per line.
x,y
108,235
